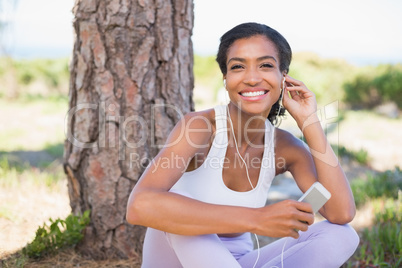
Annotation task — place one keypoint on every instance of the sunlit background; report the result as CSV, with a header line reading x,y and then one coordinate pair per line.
x,y
360,31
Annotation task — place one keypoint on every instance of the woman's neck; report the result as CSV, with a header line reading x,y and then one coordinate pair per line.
x,y
248,129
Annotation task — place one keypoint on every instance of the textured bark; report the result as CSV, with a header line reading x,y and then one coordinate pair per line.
x,y
131,81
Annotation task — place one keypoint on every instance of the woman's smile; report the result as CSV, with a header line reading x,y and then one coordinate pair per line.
x,y
254,94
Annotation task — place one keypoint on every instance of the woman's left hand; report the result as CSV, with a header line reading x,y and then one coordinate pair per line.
x,y
301,104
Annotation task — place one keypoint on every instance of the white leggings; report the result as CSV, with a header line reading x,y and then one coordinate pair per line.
x,y
323,245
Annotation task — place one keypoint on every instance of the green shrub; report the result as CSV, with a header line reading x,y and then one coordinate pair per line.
x,y
58,235
373,86
55,150
390,84
360,156
25,76
48,76
386,184
381,245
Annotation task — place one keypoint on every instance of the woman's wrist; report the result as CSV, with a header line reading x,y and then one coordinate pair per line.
x,y
303,123
253,217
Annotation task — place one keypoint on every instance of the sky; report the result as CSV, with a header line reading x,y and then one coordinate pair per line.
x,y
360,31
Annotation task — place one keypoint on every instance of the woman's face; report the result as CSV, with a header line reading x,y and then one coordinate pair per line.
x,y
253,77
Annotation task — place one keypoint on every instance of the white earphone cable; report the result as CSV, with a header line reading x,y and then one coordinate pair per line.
x,y
248,177
245,164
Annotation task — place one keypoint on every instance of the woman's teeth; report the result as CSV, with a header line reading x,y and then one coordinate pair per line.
x,y
252,93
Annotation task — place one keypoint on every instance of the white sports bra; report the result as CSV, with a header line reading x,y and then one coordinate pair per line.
x,y
206,184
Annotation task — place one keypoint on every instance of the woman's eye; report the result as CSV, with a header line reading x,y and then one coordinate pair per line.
x,y
267,65
236,67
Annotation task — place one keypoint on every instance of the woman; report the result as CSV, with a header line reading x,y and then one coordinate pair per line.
x,y
203,205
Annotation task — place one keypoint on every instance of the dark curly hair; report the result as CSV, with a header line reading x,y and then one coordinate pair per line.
x,y
250,29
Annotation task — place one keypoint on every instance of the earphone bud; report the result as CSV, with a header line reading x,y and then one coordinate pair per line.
x,y
281,97
283,83
224,83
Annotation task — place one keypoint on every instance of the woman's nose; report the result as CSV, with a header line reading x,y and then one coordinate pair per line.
x,y
252,77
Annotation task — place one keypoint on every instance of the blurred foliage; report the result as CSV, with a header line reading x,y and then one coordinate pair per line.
x,y
55,150
37,77
386,184
372,86
330,79
207,73
361,156
381,244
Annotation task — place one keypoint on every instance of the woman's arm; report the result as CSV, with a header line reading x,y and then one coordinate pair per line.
x,y
150,202
152,205
301,105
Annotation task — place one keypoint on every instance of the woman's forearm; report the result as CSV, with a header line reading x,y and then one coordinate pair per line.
x,y
178,214
340,208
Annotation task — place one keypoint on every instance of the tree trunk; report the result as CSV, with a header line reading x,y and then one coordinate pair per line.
x,y
131,81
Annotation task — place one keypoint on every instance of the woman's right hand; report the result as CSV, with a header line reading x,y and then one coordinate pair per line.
x,y
285,218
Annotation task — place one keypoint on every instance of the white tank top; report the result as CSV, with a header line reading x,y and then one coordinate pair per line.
x,y
206,184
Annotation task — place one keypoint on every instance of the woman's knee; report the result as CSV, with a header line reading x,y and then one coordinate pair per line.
x,y
346,234
343,239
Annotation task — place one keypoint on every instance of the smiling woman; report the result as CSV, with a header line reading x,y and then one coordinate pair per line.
x,y
201,210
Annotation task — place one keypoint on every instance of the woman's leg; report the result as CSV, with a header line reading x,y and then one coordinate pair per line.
x,y
323,245
201,251
165,250
157,252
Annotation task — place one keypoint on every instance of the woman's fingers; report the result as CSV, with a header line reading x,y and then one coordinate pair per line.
x,y
301,91
293,94
303,206
297,88
293,82
286,218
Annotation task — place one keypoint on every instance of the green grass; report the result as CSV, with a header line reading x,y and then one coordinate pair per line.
x,y
32,125
7,213
381,244
386,184
16,175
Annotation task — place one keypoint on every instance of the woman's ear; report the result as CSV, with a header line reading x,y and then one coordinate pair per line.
x,y
284,79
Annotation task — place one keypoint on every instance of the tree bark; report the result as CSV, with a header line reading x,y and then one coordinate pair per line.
x,y
131,81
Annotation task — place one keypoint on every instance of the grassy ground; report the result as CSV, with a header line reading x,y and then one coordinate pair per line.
x,y
33,186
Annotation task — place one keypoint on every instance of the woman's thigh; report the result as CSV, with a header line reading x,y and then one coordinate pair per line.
x,y
167,250
157,252
323,245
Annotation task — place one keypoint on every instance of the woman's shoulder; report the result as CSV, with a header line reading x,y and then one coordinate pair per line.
x,y
203,119
192,133
289,150
284,140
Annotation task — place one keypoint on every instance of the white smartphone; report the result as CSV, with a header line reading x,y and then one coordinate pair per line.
x,y
316,196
